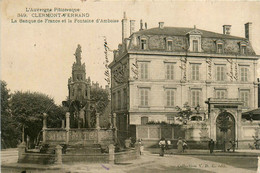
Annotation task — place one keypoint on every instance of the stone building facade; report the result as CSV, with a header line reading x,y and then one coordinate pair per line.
x,y
154,70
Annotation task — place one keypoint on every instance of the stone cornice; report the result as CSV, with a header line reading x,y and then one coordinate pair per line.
x,y
189,54
193,54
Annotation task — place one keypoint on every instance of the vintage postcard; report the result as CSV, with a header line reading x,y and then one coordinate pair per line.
x,y
130,86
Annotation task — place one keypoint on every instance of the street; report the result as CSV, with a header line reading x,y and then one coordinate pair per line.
x,y
179,163
154,163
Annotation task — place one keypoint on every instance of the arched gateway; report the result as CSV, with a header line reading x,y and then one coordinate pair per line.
x,y
224,112
225,129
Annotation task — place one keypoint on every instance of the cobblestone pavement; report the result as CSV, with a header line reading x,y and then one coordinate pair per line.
x,y
147,163
154,163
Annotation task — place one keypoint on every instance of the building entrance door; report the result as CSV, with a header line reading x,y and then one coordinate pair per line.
x,y
225,130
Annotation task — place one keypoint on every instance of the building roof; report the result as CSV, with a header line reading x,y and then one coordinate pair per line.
x,y
254,112
181,31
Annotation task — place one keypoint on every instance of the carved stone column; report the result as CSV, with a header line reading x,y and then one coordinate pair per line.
x,y
58,155
62,124
111,151
21,151
110,121
67,120
67,126
44,127
114,125
44,121
114,120
97,121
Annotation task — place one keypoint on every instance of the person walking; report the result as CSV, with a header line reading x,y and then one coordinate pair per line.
x,y
180,145
162,146
141,146
185,145
211,146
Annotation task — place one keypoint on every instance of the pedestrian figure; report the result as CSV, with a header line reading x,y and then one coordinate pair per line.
x,y
166,145
162,146
211,146
141,146
185,145
180,145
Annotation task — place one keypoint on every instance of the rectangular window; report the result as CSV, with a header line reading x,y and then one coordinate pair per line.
x,y
195,45
170,95
169,45
244,96
220,72
143,44
144,96
195,98
243,49
220,94
119,100
169,71
143,70
144,120
244,74
220,48
194,71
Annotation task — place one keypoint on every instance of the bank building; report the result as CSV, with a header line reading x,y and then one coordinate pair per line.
x,y
157,70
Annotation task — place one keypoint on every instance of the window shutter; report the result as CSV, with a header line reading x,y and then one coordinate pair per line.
x,y
193,98
198,98
146,71
168,71
142,97
146,97
172,98
246,74
197,72
193,72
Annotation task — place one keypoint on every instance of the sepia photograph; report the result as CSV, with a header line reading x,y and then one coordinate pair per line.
x,y
130,86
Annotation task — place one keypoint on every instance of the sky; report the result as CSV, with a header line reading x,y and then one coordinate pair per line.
x,y
39,56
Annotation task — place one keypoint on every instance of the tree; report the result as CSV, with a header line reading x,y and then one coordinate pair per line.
x,y
101,99
184,113
4,98
28,108
224,124
10,134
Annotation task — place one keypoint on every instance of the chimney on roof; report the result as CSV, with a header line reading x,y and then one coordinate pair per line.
x,y
248,31
141,25
132,26
161,25
226,29
145,25
124,28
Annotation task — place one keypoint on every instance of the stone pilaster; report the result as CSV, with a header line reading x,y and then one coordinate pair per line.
x,y
58,155
21,151
111,151
67,126
44,127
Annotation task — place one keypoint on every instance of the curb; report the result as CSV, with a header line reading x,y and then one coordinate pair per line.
x,y
214,154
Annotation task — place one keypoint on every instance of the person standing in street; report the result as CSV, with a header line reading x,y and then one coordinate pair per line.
x,y
162,146
211,146
180,145
185,145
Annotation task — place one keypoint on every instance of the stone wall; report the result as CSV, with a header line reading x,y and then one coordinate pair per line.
x,y
197,134
79,136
